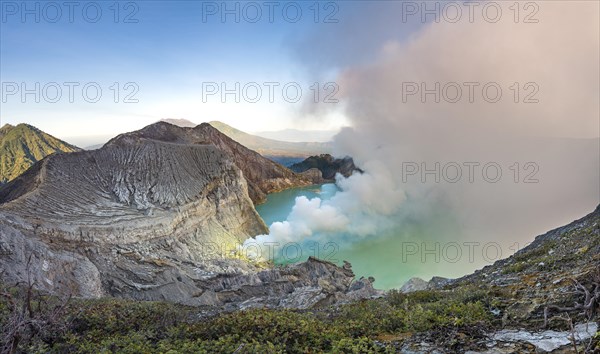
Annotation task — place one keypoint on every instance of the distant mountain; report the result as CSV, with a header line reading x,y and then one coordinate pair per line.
x,y
93,147
297,135
184,123
23,145
272,148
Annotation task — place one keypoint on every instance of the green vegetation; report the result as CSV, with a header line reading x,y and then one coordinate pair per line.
x,y
570,250
114,325
24,145
514,268
458,318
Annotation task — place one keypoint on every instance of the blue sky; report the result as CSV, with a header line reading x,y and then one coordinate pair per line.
x,y
169,50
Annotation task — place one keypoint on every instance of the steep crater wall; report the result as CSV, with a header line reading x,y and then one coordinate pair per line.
x,y
134,215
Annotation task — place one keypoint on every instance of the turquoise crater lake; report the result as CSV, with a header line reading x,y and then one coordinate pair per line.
x,y
279,205
389,257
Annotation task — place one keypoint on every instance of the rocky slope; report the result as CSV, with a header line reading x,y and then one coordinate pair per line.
x,y
131,219
311,284
537,296
157,214
23,145
543,273
311,307
328,165
263,175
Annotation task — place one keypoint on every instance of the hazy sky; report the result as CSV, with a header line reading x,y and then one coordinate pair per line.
x,y
168,51
165,55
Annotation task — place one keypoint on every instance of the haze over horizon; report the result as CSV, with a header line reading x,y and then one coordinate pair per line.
x,y
170,85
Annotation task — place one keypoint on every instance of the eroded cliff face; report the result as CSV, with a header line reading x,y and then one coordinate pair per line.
x,y
135,219
152,219
262,175
24,145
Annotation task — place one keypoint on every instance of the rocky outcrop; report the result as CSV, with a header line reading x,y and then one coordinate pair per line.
x,y
311,284
545,341
509,341
328,165
532,293
156,219
132,219
418,284
414,284
263,176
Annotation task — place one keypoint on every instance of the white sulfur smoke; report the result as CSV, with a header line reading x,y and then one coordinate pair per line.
x,y
548,151
362,207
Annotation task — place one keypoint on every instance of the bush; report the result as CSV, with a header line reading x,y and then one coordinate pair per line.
x,y
124,326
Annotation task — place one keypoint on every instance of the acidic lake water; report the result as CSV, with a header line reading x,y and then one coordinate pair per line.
x,y
410,250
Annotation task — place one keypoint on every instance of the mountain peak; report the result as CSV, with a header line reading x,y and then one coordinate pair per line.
x,y
263,175
26,126
5,129
23,145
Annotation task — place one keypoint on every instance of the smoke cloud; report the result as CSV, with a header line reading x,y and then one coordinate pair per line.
x,y
493,125
361,207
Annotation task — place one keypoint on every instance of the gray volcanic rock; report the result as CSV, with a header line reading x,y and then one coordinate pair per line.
x,y
547,341
153,219
314,283
414,284
132,219
262,175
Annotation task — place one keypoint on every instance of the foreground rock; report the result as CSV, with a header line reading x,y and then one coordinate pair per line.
x,y
548,341
311,284
511,341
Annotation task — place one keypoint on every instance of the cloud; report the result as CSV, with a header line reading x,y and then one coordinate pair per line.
x,y
523,166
